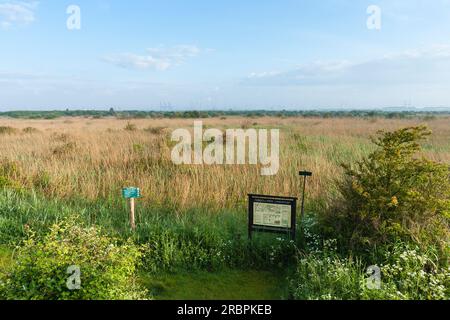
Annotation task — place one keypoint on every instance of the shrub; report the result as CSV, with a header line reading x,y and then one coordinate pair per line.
x,y
6,183
7,130
42,180
323,275
138,148
392,195
406,274
40,271
9,168
10,175
410,273
65,149
30,130
155,130
61,137
130,127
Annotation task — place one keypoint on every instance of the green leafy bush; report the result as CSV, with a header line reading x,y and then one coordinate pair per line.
x,y
409,273
40,271
323,275
392,195
406,274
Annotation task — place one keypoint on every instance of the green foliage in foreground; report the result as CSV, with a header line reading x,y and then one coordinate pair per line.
x,y
177,244
173,241
392,195
40,269
406,274
393,212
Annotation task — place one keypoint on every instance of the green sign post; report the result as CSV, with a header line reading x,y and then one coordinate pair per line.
x,y
131,193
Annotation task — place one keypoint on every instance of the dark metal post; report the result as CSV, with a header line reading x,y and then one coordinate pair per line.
x,y
304,174
250,216
294,220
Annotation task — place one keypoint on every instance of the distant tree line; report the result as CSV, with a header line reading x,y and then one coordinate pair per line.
x,y
135,114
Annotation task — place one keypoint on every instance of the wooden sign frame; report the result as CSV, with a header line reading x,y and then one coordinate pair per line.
x,y
256,198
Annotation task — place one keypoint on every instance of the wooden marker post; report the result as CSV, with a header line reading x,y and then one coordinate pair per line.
x,y
132,218
132,193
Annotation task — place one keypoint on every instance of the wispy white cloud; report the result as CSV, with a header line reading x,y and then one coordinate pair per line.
x,y
158,58
17,13
426,65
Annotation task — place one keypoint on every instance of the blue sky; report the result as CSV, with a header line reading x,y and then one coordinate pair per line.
x,y
224,54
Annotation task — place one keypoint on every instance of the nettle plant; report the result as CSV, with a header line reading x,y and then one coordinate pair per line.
x,y
44,268
393,194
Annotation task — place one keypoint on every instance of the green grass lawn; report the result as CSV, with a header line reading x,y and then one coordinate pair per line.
x,y
223,285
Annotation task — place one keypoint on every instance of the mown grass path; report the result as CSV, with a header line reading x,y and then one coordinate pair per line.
x,y
222,285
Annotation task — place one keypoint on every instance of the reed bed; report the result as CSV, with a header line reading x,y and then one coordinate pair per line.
x,y
94,158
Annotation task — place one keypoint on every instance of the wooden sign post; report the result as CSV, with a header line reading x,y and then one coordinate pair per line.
x,y
132,217
132,193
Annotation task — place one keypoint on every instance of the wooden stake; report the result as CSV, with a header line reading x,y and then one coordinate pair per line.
x,y
132,220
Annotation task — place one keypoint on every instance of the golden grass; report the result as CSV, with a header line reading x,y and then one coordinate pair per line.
x,y
95,158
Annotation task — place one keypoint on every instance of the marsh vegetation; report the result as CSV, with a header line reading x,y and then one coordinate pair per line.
x,y
192,219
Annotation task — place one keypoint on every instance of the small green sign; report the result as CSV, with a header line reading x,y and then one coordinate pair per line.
x,y
131,193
